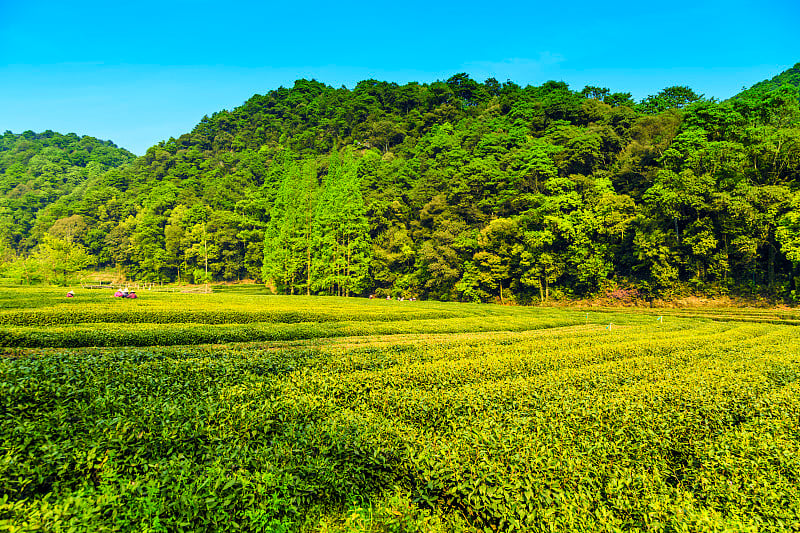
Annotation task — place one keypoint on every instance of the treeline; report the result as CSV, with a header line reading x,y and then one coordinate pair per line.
x,y
787,77
454,190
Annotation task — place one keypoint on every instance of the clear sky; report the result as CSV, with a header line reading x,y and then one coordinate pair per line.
x,y
140,72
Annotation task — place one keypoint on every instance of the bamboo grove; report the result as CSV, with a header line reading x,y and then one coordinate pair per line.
x,y
452,190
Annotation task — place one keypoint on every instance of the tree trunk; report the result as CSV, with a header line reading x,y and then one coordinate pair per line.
x,y
728,259
771,267
348,272
308,266
205,251
796,279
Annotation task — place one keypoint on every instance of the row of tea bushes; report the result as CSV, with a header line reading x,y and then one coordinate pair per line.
x,y
39,307
691,437
724,314
686,426
205,440
158,334
171,315
44,298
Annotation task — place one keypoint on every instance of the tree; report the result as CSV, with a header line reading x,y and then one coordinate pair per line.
x,y
442,257
500,246
539,265
61,257
175,241
675,97
407,189
619,99
288,239
342,248
199,248
788,235
596,93
385,133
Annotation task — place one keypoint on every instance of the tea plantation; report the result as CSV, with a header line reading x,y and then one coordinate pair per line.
x,y
247,412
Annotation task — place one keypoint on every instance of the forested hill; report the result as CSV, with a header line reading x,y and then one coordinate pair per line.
x,y
787,77
39,169
453,190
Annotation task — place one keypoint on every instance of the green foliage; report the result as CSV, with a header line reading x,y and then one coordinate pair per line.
x,y
685,424
787,77
674,97
401,190
41,174
289,235
341,249
167,319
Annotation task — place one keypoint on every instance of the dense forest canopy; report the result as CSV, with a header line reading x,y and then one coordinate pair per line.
x,y
455,190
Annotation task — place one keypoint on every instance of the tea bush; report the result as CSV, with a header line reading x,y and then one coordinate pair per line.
x,y
163,319
495,419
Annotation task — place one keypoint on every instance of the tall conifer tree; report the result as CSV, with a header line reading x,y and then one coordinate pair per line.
x,y
342,247
287,243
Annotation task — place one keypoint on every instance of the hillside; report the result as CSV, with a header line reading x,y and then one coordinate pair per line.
x,y
454,190
787,77
38,169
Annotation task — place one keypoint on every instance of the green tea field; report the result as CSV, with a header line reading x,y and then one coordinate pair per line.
x,y
238,411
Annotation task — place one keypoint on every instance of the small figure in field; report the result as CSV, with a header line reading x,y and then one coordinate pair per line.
x,y
125,293
70,294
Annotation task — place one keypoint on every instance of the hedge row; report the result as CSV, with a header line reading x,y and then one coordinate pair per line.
x,y
149,334
686,426
171,315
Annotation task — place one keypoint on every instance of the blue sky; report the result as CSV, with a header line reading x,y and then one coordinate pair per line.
x,y
139,72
